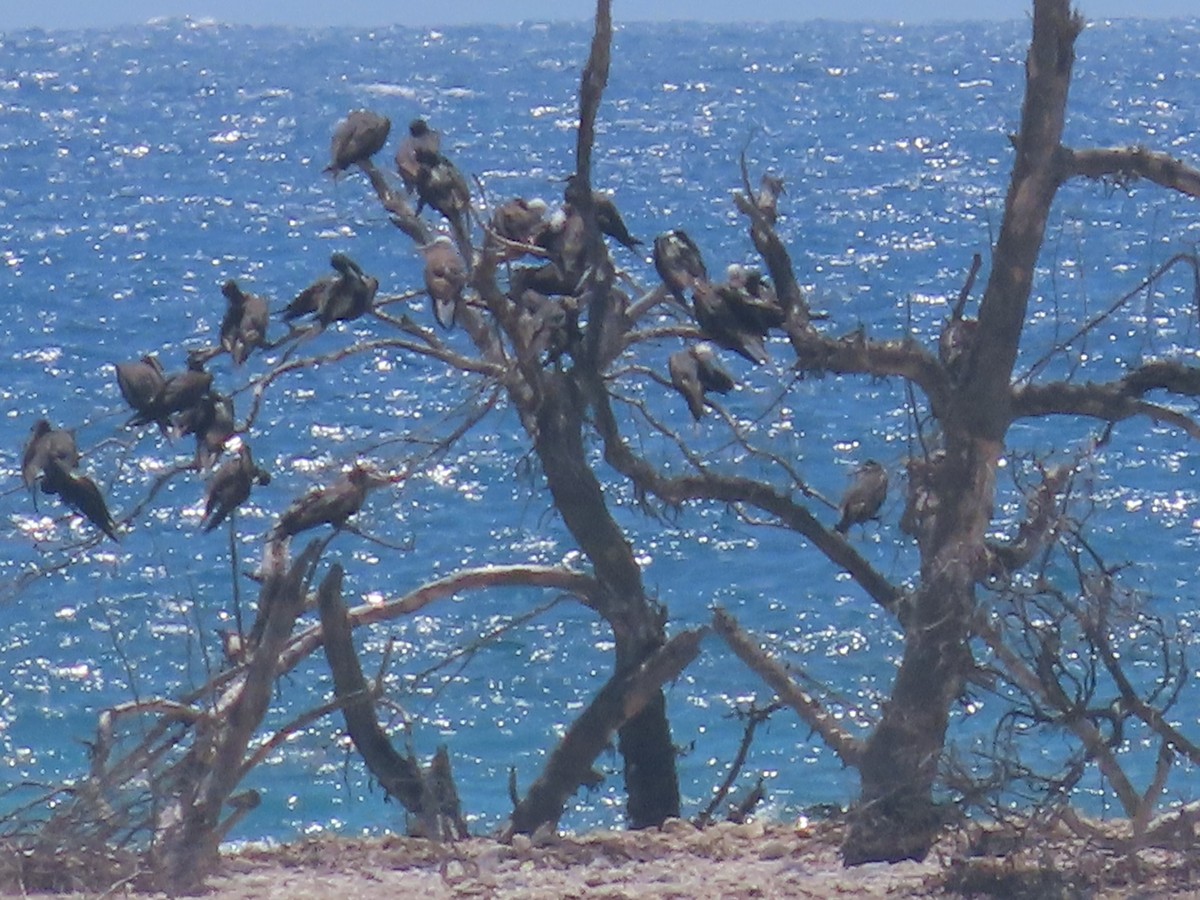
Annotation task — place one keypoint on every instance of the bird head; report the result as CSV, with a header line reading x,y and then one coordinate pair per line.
x,y
232,292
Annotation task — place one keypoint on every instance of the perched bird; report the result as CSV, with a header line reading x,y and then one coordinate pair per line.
x,y
420,135
47,449
351,294
696,370
440,185
140,382
210,419
863,499
520,221
81,494
179,392
767,199
345,295
752,299
563,241
445,278
331,505
678,262
608,217
51,458
956,343
959,335
230,487
721,323
547,325
356,139
245,324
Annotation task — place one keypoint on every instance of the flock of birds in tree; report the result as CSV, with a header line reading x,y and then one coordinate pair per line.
x,y
736,314
186,403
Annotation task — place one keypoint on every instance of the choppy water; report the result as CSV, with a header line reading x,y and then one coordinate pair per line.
x,y
141,167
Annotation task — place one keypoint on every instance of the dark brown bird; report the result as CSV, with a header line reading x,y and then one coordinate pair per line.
x,y
722,325
351,294
520,221
179,392
696,370
345,295
548,325
420,135
230,487
51,457
245,324
47,449
608,217
563,241
441,186
445,278
356,139
678,262
81,494
210,419
331,505
752,299
864,498
140,383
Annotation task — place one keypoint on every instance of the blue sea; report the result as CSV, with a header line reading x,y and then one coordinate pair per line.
x,y
141,167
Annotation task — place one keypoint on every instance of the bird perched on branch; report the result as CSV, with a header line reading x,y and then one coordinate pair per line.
x,y
608,217
678,262
230,487
548,325
520,221
696,370
245,324
767,200
47,447
331,505
179,392
420,136
445,278
441,186
864,498
721,323
50,459
352,293
956,343
210,419
752,299
139,383
341,297
356,139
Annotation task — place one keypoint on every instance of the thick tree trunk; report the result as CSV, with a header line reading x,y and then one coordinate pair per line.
x,y
897,817
651,780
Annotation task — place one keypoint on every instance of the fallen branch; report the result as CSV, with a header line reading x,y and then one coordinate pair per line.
x,y
623,697
848,749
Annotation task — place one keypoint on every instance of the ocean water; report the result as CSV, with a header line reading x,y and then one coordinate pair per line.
x,y
141,167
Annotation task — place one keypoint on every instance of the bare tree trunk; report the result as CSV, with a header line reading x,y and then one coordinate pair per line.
x,y
897,817
189,827
651,780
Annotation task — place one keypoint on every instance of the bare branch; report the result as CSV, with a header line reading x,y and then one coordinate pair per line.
x,y
1127,164
848,749
1113,402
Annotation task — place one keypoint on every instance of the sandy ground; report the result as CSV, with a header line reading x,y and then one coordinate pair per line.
x,y
722,862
